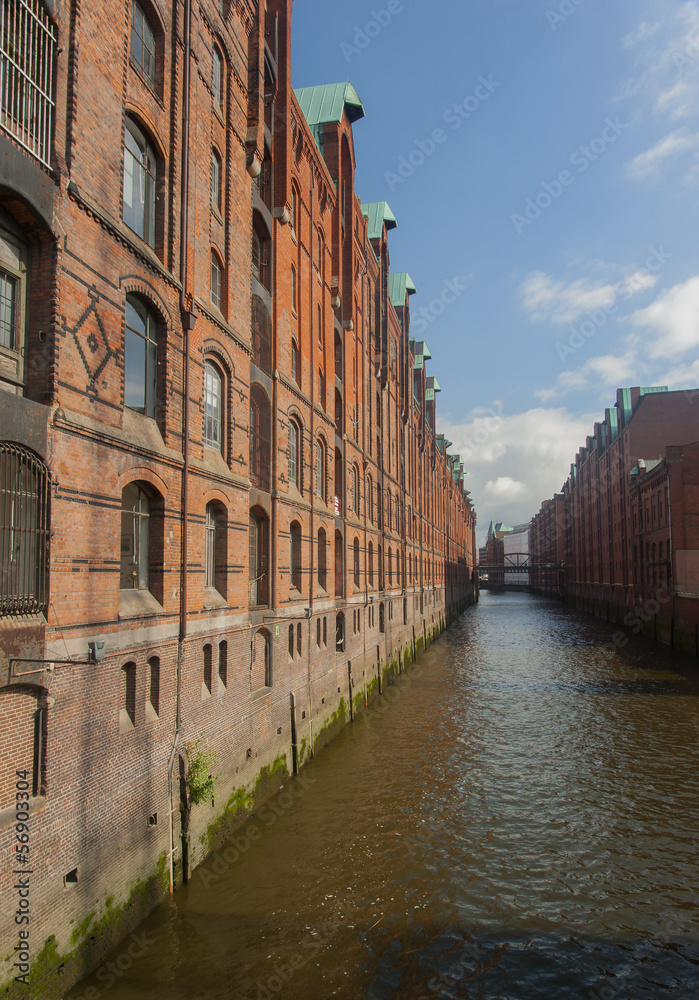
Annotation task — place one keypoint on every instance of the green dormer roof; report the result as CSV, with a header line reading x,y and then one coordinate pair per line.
x,y
379,215
400,285
329,103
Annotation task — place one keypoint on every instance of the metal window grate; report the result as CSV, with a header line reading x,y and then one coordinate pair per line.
x,y
27,57
24,531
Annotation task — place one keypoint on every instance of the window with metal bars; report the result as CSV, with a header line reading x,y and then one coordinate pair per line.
x,y
24,531
27,66
260,438
261,335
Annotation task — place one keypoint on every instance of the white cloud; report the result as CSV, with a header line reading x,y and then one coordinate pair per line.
x,y
644,31
607,371
672,320
681,376
515,462
648,164
548,300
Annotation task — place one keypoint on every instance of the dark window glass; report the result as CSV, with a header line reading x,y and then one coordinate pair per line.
x,y
140,358
142,42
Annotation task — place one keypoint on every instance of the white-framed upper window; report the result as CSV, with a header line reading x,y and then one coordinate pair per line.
x,y
216,175
140,357
213,410
217,77
142,42
216,280
140,174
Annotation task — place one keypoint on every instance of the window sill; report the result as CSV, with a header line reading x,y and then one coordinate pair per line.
x,y
216,212
260,693
138,604
213,599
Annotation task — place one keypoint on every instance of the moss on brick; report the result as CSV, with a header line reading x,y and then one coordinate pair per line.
x,y
242,803
53,973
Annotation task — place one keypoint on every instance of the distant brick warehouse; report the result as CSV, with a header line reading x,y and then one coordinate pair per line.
x,y
224,507
630,513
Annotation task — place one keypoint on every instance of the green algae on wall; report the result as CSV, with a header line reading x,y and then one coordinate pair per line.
x,y
242,803
52,973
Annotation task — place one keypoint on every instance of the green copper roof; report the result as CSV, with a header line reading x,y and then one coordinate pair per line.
x,y
432,383
328,103
379,214
400,285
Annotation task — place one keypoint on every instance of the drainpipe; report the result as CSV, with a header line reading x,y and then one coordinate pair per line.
x,y
188,321
312,456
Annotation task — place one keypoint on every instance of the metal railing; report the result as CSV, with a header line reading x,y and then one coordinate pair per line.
x,y
27,59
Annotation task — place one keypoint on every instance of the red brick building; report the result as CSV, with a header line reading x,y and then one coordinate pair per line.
x,y
548,546
224,508
631,515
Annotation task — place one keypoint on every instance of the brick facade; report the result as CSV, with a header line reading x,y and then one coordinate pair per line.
x,y
630,512
246,498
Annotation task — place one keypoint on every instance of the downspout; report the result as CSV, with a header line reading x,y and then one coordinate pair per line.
x,y
188,321
311,483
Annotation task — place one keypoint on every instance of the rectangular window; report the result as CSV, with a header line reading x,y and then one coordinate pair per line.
x,y
8,300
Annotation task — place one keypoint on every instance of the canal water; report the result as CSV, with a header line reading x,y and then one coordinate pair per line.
x,y
521,824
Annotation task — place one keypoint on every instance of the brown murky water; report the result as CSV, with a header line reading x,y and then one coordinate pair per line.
x,y
521,824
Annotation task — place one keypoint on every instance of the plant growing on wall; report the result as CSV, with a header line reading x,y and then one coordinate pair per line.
x,y
201,781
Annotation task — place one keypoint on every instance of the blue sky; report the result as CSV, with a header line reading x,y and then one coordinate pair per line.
x,y
561,199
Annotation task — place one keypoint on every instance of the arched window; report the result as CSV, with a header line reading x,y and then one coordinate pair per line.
x,y
322,559
390,567
340,633
355,555
339,565
291,640
339,483
216,280
207,671
355,490
259,558
261,335
260,253
370,568
127,714
295,540
296,363
299,638
318,632
338,413
217,78
223,662
319,324
295,454
213,410
338,356
260,437
153,703
140,357
24,531
294,291
261,673
294,209
216,547
369,502
140,173
320,470
216,175
142,42
321,389
382,617
135,538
